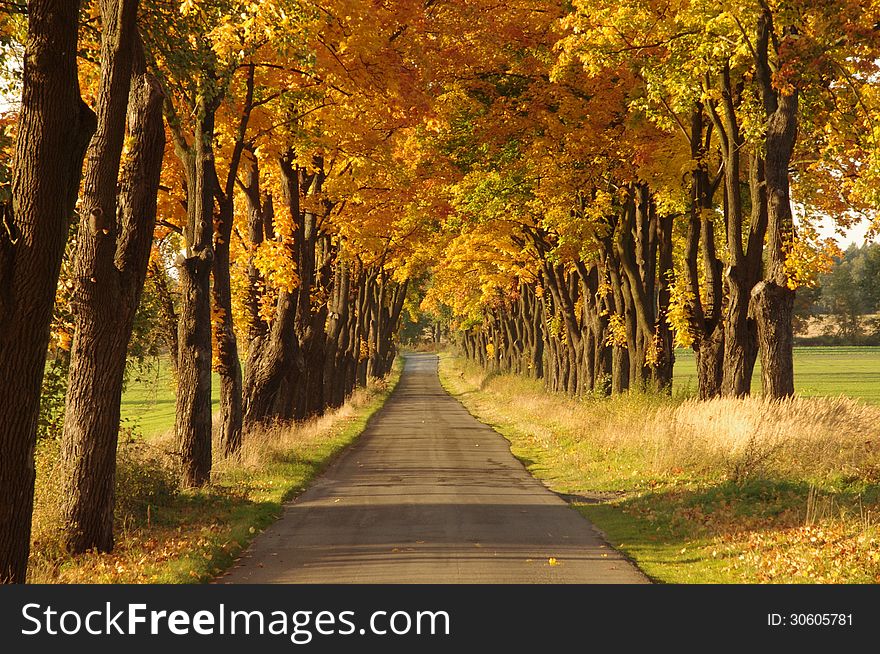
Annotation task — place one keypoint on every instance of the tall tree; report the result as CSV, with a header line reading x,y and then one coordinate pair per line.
x,y
113,248
228,364
194,83
54,129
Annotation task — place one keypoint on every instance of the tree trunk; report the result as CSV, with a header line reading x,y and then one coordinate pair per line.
x,y
619,369
267,370
772,299
274,358
704,319
337,317
738,358
771,307
193,410
193,419
54,129
739,345
109,272
228,364
709,352
663,337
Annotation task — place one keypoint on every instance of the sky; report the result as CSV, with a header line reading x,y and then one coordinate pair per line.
x,y
856,235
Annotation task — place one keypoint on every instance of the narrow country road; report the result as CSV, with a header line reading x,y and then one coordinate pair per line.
x,y
429,494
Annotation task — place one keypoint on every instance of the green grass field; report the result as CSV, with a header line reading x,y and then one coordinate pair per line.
x,y
148,401
849,371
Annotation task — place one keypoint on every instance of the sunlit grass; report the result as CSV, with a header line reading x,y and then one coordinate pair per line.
x,y
849,371
148,402
168,535
702,492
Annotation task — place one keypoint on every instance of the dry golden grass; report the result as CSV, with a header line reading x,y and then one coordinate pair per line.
x,y
729,490
805,438
274,441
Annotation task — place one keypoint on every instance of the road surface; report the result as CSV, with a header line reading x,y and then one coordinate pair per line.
x,y
428,494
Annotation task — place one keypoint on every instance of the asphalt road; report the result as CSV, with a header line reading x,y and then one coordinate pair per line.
x,y
429,494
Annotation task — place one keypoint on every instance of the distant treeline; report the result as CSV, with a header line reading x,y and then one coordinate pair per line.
x,y
844,308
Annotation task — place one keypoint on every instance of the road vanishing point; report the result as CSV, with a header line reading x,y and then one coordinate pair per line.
x,y
428,494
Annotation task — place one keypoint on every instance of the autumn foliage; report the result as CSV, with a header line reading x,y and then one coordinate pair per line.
x,y
576,188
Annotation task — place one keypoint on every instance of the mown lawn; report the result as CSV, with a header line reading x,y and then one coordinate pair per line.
x,y
850,371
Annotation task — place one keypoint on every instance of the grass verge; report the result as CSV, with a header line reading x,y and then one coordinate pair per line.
x,y
168,535
727,491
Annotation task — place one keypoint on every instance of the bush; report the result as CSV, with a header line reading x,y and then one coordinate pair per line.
x,y
145,478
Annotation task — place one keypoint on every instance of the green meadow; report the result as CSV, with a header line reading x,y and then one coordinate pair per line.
x,y
148,400
831,371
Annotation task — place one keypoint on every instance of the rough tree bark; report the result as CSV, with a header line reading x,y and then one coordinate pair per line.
x,y
772,299
193,409
109,285
105,294
54,129
274,353
337,316
636,245
228,364
259,229
744,268
705,320
663,336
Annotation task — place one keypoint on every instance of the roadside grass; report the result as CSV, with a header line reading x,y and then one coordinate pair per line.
x,y
727,491
170,535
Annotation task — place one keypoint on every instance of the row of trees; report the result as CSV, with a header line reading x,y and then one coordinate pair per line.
x,y
597,326
202,160
648,156
845,300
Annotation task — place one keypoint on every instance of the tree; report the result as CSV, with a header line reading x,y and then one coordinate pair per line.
x,y
54,129
113,247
